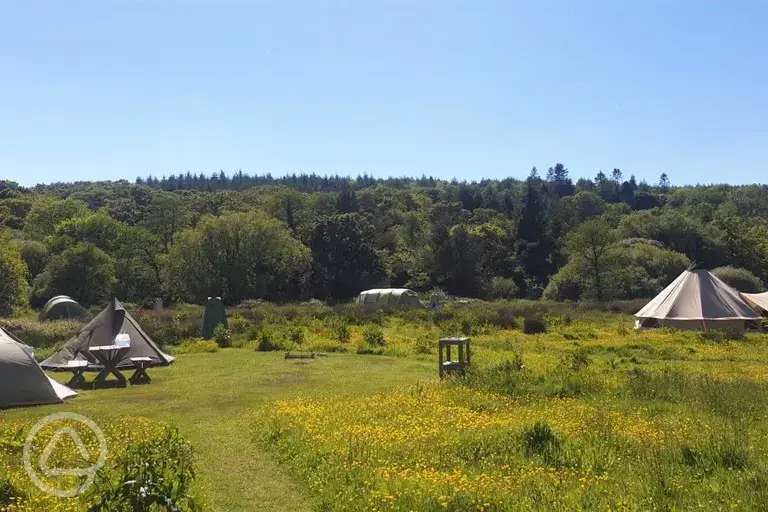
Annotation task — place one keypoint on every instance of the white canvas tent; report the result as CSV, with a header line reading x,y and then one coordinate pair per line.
x,y
697,300
758,301
402,298
22,381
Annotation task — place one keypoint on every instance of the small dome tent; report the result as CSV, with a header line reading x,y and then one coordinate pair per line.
x,y
697,300
22,381
401,298
213,316
62,307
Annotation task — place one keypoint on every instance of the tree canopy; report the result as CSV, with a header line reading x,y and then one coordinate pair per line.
x,y
188,236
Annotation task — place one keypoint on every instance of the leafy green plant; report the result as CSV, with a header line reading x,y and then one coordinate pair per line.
x,y
341,332
152,475
222,336
541,440
374,336
534,326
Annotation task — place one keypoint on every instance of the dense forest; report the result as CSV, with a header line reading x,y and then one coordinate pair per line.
x,y
186,237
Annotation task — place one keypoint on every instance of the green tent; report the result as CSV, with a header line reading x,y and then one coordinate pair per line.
x,y
62,307
396,298
213,317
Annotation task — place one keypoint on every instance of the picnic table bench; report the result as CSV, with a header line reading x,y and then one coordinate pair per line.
x,y
78,368
140,365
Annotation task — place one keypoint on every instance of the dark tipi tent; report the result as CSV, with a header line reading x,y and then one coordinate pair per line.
x,y
22,381
102,330
213,317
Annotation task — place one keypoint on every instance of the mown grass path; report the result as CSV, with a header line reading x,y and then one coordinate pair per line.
x,y
212,399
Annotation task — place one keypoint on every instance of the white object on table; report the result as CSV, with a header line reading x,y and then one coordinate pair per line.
x,y
123,340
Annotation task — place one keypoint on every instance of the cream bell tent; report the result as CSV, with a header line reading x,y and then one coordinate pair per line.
x,y
758,301
697,300
22,381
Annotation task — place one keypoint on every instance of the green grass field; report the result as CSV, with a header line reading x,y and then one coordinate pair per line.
x,y
212,398
591,415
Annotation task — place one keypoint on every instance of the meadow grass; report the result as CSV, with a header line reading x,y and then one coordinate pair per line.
x,y
588,415
211,398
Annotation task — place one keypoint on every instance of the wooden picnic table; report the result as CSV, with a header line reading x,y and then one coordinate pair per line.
x,y
110,356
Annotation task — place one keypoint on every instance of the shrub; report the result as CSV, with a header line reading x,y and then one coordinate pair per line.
x,y
374,336
41,334
424,345
196,346
739,278
294,335
341,332
534,326
541,440
576,360
9,494
238,324
502,288
267,342
437,296
222,336
153,474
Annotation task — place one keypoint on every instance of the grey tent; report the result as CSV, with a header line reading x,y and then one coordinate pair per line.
x,y
62,307
389,297
700,301
22,381
113,320
213,316
758,301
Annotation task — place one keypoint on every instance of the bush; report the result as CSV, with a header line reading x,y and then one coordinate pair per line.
x,y
739,278
294,335
195,346
437,296
154,474
424,345
41,334
534,326
565,285
238,324
502,288
374,336
541,440
341,332
267,342
222,336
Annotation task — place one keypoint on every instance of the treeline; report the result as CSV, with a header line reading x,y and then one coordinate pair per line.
x,y
187,237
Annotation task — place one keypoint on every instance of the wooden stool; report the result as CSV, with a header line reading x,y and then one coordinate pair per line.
x,y
446,363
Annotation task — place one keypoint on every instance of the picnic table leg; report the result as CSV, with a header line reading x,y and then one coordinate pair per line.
x,y
77,379
140,376
103,374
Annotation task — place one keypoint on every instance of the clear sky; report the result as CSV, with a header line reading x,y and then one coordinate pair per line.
x,y
469,89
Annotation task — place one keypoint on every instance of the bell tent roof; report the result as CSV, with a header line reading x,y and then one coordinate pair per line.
x,y
698,295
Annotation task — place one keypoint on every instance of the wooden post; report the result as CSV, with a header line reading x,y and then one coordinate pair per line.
x,y
469,353
460,347
440,363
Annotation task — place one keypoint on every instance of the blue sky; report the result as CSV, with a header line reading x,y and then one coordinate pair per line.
x,y
465,89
